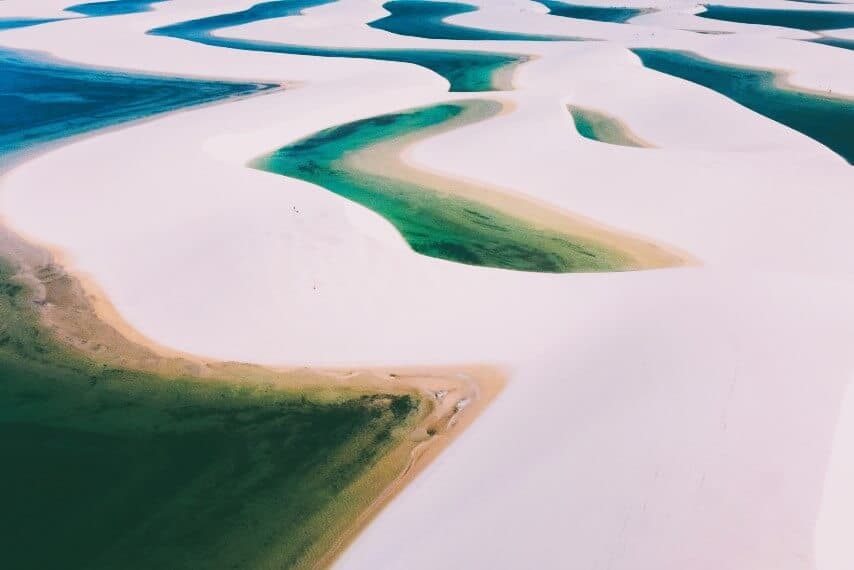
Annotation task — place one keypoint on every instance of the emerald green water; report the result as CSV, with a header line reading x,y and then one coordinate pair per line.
x,y
434,223
825,118
106,468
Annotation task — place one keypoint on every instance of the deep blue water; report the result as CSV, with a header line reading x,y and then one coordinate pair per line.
x,y
425,20
836,42
597,13
9,23
42,100
466,71
107,8
827,119
810,20
200,30
113,7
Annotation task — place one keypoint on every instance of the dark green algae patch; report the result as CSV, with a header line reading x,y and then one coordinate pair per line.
x,y
105,467
433,221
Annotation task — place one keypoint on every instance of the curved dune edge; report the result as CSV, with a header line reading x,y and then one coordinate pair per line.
x,y
783,79
478,386
77,314
504,78
394,159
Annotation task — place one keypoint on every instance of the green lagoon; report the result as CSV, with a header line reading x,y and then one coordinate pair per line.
x,y
433,221
106,467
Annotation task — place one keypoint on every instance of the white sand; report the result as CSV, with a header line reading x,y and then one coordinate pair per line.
x,y
655,420
40,9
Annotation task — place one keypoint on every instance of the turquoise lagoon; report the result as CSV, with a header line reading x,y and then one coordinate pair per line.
x,y
464,70
825,118
433,221
11,23
836,42
427,20
596,13
810,20
113,7
44,100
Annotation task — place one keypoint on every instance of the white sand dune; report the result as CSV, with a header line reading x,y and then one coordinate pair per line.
x,y
669,419
41,9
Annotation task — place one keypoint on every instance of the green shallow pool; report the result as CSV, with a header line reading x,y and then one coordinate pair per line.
x,y
433,221
600,127
107,468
